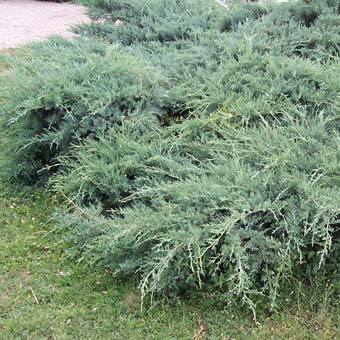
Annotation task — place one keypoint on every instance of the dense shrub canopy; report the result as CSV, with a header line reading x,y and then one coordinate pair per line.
x,y
199,146
79,92
235,210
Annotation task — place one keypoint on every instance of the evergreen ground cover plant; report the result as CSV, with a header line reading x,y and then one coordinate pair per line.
x,y
198,146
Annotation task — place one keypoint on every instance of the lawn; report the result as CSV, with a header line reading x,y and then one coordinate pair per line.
x,y
44,295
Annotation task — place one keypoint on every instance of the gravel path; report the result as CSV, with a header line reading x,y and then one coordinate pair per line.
x,y
22,21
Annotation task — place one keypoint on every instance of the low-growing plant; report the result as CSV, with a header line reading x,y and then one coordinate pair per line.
x,y
201,205
78,91
197,146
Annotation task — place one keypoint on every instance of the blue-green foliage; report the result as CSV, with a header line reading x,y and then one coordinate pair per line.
x,y
199,204
79,91
199,146
181,59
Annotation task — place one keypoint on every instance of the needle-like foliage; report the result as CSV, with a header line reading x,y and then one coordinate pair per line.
x,y
198,146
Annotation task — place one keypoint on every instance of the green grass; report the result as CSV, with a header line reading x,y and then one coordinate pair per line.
x,y
74,302
43,295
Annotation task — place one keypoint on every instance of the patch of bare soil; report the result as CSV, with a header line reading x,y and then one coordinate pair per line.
x,y
22,21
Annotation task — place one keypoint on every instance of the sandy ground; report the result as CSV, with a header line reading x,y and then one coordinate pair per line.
x,y
22,21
